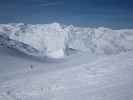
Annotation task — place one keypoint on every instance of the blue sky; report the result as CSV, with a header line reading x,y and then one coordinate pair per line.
x,y
93,13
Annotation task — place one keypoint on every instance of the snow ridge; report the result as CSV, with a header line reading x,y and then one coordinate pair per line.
x,y
52,40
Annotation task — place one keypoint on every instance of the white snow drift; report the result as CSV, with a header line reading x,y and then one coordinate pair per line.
x,y
54,39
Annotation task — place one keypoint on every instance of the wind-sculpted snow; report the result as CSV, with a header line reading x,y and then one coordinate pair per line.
x,y
54,39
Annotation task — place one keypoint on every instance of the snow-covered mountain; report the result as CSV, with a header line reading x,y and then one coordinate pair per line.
x,y
92,73
53,40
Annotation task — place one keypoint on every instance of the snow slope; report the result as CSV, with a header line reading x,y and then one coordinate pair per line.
x,y
52,40
78,77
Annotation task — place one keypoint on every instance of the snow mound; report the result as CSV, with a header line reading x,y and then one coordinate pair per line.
x,y
52,40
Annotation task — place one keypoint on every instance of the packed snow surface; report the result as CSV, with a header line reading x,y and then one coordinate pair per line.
x,y
78,77
53,40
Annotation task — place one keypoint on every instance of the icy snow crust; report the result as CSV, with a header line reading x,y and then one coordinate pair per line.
x,y
52,40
